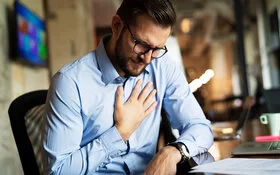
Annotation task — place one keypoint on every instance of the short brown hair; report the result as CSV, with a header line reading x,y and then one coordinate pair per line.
x,y
161,11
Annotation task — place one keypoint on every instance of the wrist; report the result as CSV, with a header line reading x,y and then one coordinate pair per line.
x,y
182,149
176,155
124,135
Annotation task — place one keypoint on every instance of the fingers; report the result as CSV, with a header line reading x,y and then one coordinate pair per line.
x,y
146,96
149,105
144,92
149,99
136,90
151,108
119,96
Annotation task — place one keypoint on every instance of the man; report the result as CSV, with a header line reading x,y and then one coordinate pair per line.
x,y
103,110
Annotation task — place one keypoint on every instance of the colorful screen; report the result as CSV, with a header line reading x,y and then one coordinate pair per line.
x,y
31,34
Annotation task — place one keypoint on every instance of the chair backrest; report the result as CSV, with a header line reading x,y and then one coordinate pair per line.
x,y
26,115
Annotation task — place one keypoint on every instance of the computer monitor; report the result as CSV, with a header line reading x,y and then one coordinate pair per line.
x,y
272,97
31,36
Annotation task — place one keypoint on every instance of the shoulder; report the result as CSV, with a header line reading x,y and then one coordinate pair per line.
x,y
86,62
80,67
74,70
167,64
79,71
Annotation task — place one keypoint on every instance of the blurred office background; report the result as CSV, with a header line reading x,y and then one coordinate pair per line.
x,y
238,41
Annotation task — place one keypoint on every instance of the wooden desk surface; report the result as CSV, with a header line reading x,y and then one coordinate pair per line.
x,y
221,149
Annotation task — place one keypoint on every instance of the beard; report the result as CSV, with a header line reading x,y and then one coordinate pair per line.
x,y
129,65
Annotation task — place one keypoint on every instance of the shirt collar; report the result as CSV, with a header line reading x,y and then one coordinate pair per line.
x,y
106,67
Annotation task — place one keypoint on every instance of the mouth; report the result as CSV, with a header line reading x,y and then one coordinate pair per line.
x,y
135,67
138,63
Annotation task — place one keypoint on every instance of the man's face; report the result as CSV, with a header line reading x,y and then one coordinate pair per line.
x,y
130,63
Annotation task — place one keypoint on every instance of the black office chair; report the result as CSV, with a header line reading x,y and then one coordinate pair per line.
x,y
25,114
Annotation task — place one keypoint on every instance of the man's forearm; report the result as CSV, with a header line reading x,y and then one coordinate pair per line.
x,y
164,162
89,158
198,138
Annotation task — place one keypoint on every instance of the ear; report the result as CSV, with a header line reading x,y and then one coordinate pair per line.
x,y
117,26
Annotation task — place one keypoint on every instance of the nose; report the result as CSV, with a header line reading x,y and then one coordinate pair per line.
x,y
147,57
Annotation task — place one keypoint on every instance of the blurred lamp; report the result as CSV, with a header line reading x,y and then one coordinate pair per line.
x,y
186,25
203,79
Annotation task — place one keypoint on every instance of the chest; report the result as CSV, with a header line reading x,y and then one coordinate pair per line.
x,y
98,103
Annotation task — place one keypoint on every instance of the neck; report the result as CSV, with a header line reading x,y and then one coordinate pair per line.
x,y
110,50
109,47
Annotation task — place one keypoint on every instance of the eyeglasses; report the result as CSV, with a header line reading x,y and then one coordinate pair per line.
x,y
141,47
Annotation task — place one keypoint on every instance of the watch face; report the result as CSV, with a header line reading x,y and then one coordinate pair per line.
x,y
184,149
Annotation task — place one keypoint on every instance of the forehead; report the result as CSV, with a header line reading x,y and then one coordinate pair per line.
x,y
145,29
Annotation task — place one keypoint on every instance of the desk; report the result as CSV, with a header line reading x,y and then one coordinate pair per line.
x,y
221,149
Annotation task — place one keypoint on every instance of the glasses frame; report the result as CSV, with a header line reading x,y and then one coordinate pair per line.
x,y
145,45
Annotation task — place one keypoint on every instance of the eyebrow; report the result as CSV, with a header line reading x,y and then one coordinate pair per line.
x,y
148,45
143,42
139,40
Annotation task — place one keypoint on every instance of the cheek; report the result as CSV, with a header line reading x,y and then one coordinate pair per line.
x,y
125,50
126,46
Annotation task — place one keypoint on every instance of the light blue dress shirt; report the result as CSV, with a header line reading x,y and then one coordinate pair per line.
x,y
79,136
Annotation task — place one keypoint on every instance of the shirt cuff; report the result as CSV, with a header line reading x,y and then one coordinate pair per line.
x,y
192,148
113,142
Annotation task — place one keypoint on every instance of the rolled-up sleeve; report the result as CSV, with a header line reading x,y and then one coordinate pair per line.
x,y
185,113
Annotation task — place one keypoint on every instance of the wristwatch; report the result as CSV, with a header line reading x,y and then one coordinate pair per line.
x,y
182,149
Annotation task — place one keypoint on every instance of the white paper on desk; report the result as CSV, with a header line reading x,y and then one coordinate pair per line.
x,y
241,166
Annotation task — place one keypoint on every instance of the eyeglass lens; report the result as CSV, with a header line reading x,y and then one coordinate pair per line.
x,y
142,49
